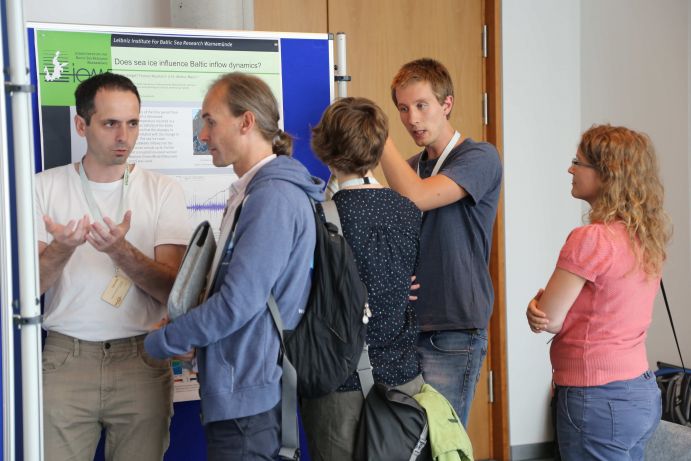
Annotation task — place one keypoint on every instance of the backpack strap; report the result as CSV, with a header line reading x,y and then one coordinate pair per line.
x,y
290,441
421,442
331,187
364,371
669,313
331,214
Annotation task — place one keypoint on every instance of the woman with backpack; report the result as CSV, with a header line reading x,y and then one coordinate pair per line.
x,y
599,300
382,228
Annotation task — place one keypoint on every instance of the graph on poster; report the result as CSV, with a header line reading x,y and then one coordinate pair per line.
x,y
206,197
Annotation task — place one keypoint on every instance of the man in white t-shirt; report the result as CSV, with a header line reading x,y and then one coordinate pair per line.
x,y
111,236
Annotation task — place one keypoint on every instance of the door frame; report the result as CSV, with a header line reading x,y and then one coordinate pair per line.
x,y
497,327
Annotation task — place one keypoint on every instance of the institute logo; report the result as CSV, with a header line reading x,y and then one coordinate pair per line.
x,y
53,72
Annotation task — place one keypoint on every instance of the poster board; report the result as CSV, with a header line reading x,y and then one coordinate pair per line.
x,y
173,69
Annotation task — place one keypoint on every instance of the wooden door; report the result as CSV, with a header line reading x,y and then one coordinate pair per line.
x,y
384,34
381,36
291,15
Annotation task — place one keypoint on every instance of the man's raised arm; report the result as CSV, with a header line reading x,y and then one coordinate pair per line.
x,y
429,193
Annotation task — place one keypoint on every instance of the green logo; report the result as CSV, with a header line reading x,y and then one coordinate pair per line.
x,y
65,59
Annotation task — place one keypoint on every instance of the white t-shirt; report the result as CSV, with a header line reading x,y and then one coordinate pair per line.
x,y
73,305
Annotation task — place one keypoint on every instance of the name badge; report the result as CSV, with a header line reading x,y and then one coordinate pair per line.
x,y
117,289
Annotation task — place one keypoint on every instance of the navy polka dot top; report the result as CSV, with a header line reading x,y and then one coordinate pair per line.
x,y
382,228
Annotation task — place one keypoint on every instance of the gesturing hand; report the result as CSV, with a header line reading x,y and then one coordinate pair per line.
x,y
69,235
110,239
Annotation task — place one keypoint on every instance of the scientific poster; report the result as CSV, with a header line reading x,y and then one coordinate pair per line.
x,y
173,70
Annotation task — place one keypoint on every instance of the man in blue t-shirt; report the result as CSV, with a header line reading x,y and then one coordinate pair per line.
x,y
456,182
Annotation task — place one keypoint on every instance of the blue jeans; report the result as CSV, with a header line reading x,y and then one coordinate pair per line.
x,y
610,422
451,362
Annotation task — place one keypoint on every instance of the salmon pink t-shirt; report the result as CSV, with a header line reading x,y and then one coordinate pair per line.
x,y
603,335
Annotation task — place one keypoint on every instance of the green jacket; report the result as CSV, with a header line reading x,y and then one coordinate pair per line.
x,y
447,437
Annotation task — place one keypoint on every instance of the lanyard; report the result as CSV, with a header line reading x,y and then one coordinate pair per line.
x,y
89,195
357,182
447,150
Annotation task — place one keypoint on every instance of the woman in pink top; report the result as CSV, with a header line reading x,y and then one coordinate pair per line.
x,y
599,300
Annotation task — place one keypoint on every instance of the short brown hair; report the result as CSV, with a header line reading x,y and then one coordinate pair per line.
x,y
350,136
424,70
85,93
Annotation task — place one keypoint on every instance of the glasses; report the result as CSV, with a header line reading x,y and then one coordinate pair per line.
x,y
576,162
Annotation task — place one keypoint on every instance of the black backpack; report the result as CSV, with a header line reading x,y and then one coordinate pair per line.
x,y
675,387
328,342
393,427
674,382
325,347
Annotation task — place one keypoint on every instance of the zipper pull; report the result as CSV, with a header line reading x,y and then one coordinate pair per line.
x,y
367,314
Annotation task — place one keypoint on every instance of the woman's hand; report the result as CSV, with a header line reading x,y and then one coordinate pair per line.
x,y
537,320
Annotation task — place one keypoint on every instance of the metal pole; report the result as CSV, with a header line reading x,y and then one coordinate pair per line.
x,y
341,71
7,329
342,78
32,405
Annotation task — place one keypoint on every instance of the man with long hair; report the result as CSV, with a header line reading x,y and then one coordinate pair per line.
x,y
267,252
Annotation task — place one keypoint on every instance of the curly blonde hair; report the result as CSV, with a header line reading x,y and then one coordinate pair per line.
x,y
631,190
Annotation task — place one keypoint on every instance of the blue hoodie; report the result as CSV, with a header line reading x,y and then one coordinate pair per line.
x,y
237,343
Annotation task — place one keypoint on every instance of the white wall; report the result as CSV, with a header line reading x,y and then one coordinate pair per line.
x,y
136,13
635,58
229,14
567,65
542,124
